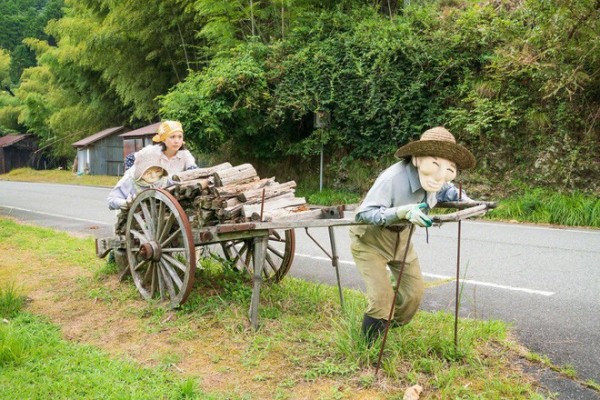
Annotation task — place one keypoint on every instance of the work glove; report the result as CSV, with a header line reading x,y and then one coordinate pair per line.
x,y
413,213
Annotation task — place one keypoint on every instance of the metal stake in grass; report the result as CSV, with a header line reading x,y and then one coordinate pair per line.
x,y
456,297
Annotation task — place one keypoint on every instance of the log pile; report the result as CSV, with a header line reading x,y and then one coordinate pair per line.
x,y
225,194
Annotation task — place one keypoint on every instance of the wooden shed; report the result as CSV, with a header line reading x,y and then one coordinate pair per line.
x,y
18,151
101,153
137,139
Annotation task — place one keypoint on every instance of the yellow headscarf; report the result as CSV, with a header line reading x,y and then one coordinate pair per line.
x,y
166,129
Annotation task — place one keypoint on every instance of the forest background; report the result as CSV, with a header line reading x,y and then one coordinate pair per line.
x,y
517,81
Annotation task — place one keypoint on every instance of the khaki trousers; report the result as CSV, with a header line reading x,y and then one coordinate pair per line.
x,y
372,248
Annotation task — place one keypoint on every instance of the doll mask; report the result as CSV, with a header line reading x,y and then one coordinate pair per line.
x,y
152,175
434,172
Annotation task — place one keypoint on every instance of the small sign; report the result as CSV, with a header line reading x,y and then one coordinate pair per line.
x,y
322,119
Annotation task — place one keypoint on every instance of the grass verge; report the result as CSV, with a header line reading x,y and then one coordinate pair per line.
x,y
306,346
58,176
36,363
547,207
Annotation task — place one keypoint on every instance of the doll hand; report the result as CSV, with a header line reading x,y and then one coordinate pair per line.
x,y
413,213
130,199
124,204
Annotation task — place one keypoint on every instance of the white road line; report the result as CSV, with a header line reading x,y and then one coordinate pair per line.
x,y
91,221
494,285
468,281
501,224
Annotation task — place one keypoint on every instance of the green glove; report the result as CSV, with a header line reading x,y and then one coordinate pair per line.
x,y
413,213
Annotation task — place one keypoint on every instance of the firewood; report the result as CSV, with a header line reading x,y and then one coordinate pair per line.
x,y
285,214
237,174
197,183
270,190
271,205
199,200
231,202
192,174
233,190
232,212
284,195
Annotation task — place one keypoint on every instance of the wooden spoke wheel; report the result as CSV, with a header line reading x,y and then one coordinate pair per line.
x,y
160,247
278,257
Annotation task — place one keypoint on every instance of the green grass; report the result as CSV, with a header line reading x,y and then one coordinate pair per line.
x,y
11,300
547,207
303,323
329,197
42,365
305,341
58,176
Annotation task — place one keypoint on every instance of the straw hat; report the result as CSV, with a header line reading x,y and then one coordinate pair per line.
x,y
438,142
145,161
166,129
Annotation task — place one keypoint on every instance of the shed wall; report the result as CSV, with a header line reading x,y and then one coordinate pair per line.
x,y
18,155
106,156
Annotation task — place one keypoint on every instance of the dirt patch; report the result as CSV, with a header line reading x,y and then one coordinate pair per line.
x,y
121,327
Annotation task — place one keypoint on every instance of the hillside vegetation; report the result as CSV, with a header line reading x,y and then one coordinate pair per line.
x,y
518,82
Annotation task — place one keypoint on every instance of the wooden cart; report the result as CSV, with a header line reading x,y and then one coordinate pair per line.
x,y
160,245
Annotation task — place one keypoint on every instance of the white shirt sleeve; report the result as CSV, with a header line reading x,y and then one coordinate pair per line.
x,y
117,197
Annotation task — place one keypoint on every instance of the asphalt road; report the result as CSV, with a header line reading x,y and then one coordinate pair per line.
x,y
544,281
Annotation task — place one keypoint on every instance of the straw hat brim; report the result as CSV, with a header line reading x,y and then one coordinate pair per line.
x,y
460,155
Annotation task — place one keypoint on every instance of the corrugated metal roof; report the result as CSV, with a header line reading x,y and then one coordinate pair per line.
x,y
145,131
9,140
97,136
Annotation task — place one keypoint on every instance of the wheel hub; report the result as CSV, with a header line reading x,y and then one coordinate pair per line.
x,y
150,251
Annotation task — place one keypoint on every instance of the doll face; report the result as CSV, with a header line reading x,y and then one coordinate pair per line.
x,y
174,142
152,175
434,172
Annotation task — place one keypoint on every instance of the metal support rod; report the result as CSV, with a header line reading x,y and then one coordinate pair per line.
x,y
456,296
317,243
321,171
262,205
258,261
389,320
335,264
333,257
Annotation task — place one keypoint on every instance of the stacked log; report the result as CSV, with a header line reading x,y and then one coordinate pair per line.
x,y
232,194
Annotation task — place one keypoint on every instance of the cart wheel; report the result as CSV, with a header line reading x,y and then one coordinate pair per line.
x,y
278,257
160,247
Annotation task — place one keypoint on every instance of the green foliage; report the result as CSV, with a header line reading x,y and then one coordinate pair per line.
x,y
536,100
329,197
138,49
11,300
376,90
110,62
495,75
544,206
4,68
20,19
383,83
224,102
515,81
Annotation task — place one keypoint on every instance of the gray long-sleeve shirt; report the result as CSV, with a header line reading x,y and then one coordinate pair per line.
x,y
126,187
396,186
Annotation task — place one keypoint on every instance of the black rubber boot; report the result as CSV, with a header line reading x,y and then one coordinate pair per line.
x,y
372,328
